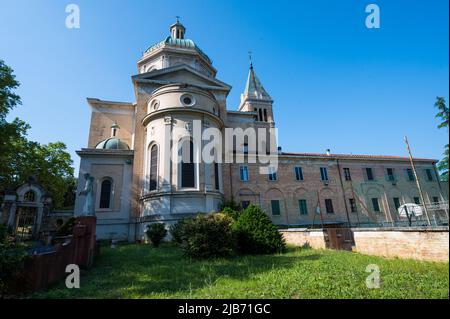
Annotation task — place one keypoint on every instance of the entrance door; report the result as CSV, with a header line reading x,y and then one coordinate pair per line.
x,y
25,223
339,238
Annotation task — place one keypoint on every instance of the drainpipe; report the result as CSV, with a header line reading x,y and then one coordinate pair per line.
x,y
343,192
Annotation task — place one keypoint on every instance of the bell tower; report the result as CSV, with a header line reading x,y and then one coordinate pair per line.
x,y
256,99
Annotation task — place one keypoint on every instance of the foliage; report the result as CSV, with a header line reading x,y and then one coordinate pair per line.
x,y
231,204
176,230
3,232
300,273
234,214
12,258
8,83
256,234
66,229
208,236
21,158
156,233
443,165
443,115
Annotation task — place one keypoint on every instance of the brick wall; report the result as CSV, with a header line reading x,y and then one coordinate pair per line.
x,y
421,244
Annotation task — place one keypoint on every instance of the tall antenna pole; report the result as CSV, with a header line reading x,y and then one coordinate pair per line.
x,y
417,181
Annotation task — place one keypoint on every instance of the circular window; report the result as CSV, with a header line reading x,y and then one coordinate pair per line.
x,y
187,100
154,105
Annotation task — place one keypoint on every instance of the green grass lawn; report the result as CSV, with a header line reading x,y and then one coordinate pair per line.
x,y
140,271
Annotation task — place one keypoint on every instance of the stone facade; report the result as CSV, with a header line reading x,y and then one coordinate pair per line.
x,y
132,145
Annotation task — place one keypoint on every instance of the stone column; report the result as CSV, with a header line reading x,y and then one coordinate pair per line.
x,y
12,215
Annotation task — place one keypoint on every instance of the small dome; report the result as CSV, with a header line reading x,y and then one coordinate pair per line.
x,y
112,144
178,43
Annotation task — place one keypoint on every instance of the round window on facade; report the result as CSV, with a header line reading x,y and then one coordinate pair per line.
x,y
187,100
154,105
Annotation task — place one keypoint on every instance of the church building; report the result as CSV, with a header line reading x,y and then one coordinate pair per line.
x,y
136,181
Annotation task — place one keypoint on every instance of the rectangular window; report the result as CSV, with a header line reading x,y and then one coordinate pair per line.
x,y
347,175
369,174
216,176
245,148
429,175
375,205
329,206
410,174
272,174
435,200
390,174
245,204
265,115
352,203
243,173
396,202
417,200
298,173
323,174
302,206
275,207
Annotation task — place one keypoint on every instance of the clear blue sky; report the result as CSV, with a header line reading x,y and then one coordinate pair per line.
x,y
336,84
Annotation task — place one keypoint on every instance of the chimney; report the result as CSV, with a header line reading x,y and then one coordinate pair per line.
x,y
279,150
328,151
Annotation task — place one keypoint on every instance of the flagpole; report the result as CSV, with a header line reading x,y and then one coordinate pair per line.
x,y
417,181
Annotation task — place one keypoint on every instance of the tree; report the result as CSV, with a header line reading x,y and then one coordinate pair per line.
x,y
443,115
8,83
21,158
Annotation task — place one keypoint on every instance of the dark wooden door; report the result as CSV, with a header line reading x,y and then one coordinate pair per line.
x,y
339,238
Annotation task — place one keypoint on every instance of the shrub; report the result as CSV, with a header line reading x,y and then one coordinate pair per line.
x,y
231,204
256,234
176,230
208,236
234,214
3,232
156,233
12,258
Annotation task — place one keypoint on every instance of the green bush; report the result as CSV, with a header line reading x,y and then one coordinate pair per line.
x,y
256,234
208,236
3,232
234,214
231,204
156,233
176,230
12,258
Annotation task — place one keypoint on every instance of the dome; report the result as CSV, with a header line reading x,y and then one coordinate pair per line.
x,y
112,144
178,43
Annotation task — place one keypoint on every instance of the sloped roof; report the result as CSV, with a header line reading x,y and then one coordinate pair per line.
x,y
254,88
358,156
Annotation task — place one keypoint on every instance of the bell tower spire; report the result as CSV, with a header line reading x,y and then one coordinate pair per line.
x,y
255,98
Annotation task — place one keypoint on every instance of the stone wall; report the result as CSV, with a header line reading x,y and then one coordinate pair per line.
x,y
420,244
415,243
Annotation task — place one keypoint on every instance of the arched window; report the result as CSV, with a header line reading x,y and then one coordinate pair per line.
x,y
29,196
105,194
153,168
187,165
